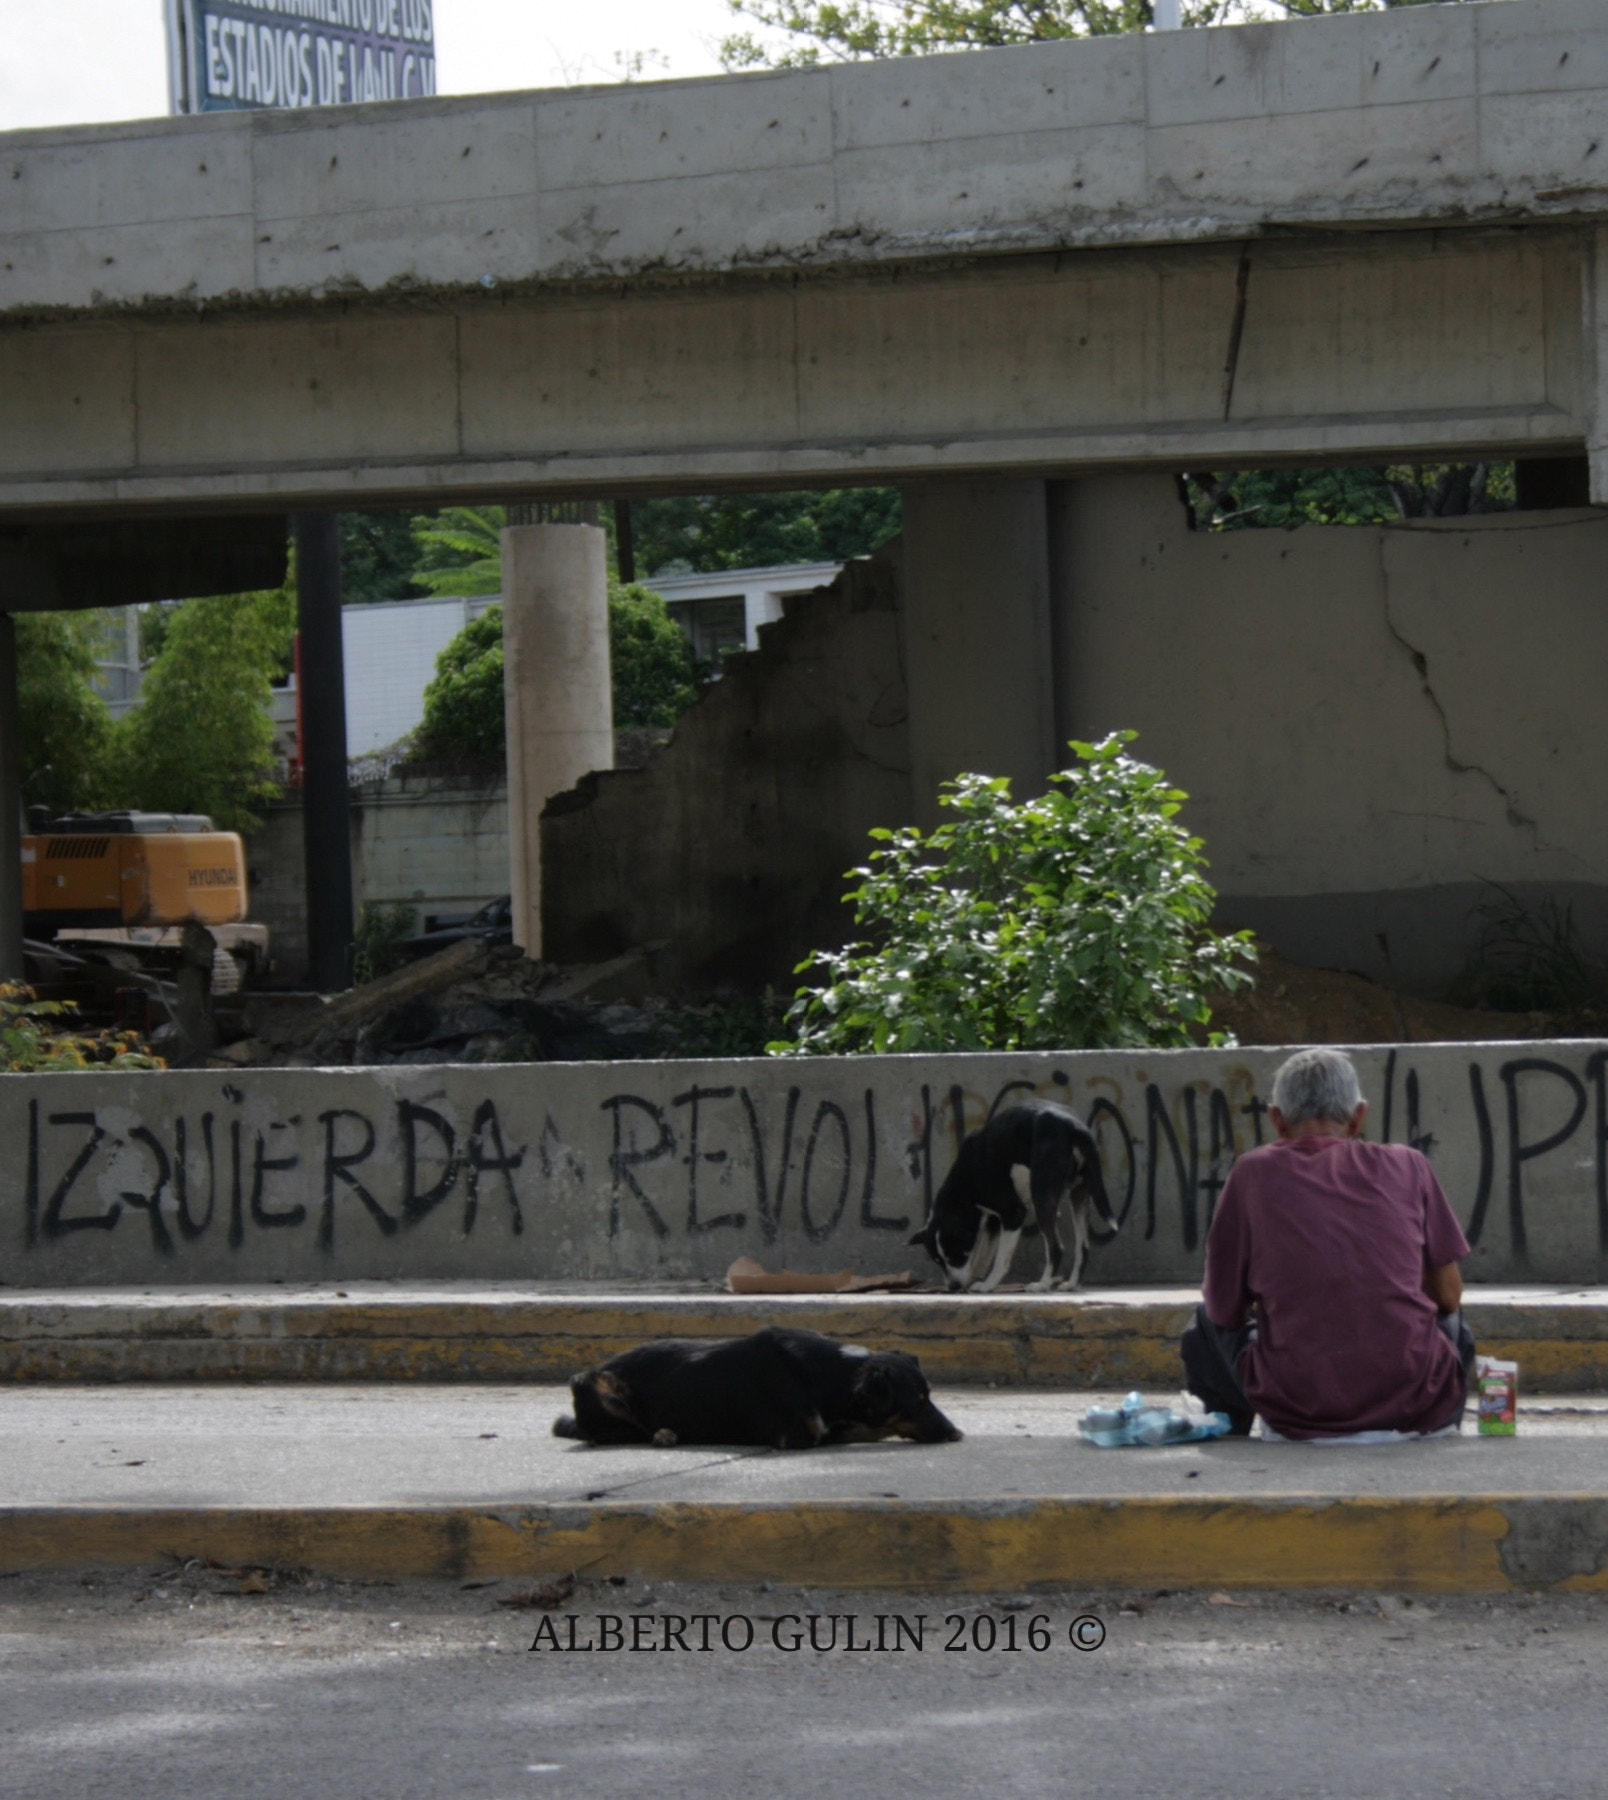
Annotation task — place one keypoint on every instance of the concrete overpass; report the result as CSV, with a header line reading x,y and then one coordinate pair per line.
x,y
1347,237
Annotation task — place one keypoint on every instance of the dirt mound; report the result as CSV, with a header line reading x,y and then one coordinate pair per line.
x,y
1294,1005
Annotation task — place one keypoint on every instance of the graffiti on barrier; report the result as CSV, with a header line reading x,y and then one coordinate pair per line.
x,y
754,1163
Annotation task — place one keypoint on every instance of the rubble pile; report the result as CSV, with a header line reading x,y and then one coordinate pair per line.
x,y
471,1004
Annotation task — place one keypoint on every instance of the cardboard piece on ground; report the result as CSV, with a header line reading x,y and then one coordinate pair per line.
x,y
746,1276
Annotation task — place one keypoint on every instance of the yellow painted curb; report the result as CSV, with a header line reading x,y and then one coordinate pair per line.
x,y
1419,1545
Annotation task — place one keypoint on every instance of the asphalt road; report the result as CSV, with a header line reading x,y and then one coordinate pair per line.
x,y
210,1683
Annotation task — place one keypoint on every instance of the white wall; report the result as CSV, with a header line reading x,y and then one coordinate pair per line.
x,y
391,649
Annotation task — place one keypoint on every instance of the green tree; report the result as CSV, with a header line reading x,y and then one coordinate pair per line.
x,y
201,739
378,557
754,531
1076,920
650,659
800,32
63,725
460,550
463,706
1283,498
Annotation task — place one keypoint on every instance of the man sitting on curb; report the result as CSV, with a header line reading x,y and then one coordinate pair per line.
x,y
1332,1287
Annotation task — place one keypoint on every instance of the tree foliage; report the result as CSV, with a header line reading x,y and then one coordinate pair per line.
x,y
1075,920
201,739
463,706
650,661
460,550
754,531
378,556
795,33
1283,498
64,728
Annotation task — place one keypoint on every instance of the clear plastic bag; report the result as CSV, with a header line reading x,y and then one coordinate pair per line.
x,y
1138,1421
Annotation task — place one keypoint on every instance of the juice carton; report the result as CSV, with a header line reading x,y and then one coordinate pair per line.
x,y
1497,1384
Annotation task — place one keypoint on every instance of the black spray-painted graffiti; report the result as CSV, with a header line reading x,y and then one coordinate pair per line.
x,y
756,1165
230,1162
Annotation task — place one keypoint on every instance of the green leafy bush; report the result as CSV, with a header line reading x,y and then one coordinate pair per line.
x,y
380,930
650,658
31,1039
1076,920
463,706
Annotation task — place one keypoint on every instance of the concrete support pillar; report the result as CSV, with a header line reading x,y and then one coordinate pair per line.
x,y
326,795
556,689
977,636
11,965
1594,276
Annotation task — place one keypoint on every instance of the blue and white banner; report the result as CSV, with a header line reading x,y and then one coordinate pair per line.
x,y
235,54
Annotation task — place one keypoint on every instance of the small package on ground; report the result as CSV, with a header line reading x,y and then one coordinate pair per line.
x,y
1497,1386
1140,1421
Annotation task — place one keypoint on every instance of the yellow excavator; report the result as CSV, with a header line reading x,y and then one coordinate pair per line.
x,y
121,886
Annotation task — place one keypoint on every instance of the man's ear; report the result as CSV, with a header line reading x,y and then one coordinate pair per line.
x,y
1357,1120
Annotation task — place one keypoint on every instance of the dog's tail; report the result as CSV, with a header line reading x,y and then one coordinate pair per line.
x,y
1094,1186
564,1426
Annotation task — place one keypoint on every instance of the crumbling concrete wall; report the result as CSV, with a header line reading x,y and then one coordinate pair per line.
x,y
1373,723
730,847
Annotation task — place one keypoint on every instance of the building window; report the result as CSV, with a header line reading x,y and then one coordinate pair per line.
x,y
715,627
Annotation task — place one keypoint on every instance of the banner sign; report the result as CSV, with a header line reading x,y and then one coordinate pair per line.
x,y
229,55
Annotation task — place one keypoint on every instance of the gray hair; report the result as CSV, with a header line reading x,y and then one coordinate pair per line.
x,y
1317,1084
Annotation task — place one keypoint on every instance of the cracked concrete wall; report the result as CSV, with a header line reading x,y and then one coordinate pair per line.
x,y
1372,722
729,848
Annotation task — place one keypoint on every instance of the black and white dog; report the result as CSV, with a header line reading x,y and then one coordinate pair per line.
x,y
786,1388
1036,1155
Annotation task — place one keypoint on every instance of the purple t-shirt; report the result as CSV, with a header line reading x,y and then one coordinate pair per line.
x,y
1329,1240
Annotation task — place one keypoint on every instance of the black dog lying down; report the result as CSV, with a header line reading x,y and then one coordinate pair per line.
x,y
789,1389
1038,1154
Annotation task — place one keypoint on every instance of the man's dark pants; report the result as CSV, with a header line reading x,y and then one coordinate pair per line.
x,y
1212,1358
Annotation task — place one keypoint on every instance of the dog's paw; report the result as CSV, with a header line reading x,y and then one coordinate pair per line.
x,y
564,1426
665,1438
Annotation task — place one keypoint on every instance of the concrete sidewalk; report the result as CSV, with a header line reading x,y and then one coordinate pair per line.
x,y
387,1482
468,1331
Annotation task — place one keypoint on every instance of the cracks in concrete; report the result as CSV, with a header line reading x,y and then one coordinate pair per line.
x,y
613,1488
1519,820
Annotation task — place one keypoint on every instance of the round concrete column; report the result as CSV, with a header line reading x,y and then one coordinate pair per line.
x,y
556,688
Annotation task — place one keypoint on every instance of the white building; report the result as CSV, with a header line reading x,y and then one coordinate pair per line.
x,y
391,648
724,611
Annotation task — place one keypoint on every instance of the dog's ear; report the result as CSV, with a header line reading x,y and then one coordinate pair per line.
x,y
922,1237
871,1384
